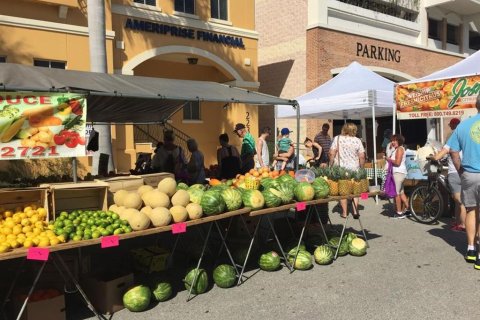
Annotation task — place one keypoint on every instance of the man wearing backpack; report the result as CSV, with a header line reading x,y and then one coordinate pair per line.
x,y
248,151
169,157
228,159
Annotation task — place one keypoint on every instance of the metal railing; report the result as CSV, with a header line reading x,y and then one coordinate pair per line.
x,y
145,133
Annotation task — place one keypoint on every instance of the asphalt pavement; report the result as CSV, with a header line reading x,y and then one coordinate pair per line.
x,y
411,271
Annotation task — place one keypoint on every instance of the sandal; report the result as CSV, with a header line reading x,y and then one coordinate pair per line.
x,y
343,217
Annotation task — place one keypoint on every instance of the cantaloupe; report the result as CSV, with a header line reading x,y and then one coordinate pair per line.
x,y
138,220
119,196
146,210
179,214
120,210
113,208
160,217
168,186
194,211
144,189
128,213
156,198
181,198
132,200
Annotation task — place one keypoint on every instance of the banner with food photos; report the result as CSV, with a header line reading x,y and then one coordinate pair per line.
x,y
37,125
454,97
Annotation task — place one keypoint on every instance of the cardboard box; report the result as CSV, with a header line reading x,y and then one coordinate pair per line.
x,y
152,179
12,198
105,291
129,183
150,259
78,196
51,309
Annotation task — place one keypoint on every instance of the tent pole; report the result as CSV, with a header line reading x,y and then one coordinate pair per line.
x,y
275,139
74,169
394,122
297,158
373,102
442,137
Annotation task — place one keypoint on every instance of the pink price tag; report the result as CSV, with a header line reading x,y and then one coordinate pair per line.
x,y
109,241
40,254
364,196
301,206
180,227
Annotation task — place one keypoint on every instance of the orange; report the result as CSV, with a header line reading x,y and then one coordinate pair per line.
x,y
256,174
240,178
215,182
252,171
265,175
248,174
292,173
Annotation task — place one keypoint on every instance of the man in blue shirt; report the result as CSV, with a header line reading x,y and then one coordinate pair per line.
x,y
466,138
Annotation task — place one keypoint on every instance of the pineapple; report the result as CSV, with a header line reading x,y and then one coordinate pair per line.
x,y
344,183
363,180
357,183
332,179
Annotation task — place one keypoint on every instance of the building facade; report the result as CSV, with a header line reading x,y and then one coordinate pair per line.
x,y
400,40
206,40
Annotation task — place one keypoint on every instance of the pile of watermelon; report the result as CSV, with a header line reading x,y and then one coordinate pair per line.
x,y
138,298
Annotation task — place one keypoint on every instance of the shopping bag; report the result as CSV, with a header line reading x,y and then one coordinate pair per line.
x,y
389,187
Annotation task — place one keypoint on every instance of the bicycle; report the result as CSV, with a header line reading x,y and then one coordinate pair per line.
x,y
426,200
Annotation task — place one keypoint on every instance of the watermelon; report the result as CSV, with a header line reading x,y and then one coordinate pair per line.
x,y
321,188
195,195
323,255
285,179
224,276
232,198
212,203
334,243
253,199
272,197
358,247
182,186
286,193
303,261
202,281
218,188
292,245
269,261
304,191
350,236
162,291
137,299
266,183
197,186
239,255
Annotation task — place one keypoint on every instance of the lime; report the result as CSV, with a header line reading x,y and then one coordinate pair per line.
x,y
59,224
125,222
115,225
103,214
87,236
77,238
115,216
105,232
96,234
109,229
90,222
118,231
68,222
69,229
79,232
63,214
127,229
58,231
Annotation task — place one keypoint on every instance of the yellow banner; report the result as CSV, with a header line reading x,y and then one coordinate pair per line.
x,y
453,97
42,125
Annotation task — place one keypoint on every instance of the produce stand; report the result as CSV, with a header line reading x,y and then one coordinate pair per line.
x,y
60,264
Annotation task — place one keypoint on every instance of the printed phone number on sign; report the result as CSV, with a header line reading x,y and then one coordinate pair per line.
x,y
449,113
27,152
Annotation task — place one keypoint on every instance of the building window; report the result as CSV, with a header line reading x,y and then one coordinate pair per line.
x,y
219,9
49,64
434,29
186,6
474,40
3,59
191,111
147,2
392,8
452,34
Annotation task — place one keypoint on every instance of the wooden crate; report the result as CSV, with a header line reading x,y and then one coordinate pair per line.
x,y
129,183
12,198
153,179
78,196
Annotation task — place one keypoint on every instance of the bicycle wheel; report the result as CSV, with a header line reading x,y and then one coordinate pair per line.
x,y
426,204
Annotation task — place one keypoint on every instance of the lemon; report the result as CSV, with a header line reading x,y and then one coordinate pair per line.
x,y
28,208
29,234
6,230
25,222
36,231
22,215
39,224
11,236
29,213
44,243
54,241
2,238
42,211
8,214
16,219
17,229
14,244
7,244
61,238
21,235
3,248
27,229
51,227
20,240
9,224
35,241
28,243
34,219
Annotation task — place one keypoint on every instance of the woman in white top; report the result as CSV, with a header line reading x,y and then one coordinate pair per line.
x,y
397,158
262,157
347,151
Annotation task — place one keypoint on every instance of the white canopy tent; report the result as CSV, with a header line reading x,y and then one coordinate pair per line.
x,y
355,93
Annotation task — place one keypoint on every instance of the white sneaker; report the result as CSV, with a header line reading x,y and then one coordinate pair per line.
x,y
399,216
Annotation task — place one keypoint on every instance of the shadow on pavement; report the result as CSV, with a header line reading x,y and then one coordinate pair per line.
x,y
454,239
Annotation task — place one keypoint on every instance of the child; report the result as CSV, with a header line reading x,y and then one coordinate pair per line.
x,y
283,145
317,151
